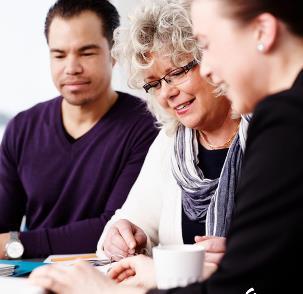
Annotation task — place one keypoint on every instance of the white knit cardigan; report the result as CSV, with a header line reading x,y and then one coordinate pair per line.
x,y
154,202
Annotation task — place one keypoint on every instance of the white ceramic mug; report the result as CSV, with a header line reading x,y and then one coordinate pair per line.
x,y
178,265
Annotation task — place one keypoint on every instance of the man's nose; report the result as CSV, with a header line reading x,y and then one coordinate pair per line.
x,y
73,66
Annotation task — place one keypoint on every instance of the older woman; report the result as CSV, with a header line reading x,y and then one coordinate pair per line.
x,y
187,184
257,47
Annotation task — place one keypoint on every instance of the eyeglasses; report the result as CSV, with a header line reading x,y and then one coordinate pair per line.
x,y
174,77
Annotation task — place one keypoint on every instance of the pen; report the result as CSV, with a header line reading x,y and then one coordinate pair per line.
x,y
74,257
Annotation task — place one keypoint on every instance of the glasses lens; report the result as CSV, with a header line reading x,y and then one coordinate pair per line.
x,y
152,87
176,76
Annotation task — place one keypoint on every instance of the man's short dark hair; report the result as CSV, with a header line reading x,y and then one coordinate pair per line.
x,y
66,9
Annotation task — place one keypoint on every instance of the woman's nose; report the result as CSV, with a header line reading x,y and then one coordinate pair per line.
x,y
168,91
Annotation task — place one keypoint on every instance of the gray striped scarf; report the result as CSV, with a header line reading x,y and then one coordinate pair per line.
x,y
201,197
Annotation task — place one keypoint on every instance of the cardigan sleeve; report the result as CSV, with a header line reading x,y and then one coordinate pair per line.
x,y
144,203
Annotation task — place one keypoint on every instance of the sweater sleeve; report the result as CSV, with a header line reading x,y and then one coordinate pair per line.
x,y
12,195
144,203
264,244
82,236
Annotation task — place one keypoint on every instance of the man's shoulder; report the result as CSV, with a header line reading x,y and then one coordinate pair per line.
x,y
129,118
41,110
130,103
132,109
32,118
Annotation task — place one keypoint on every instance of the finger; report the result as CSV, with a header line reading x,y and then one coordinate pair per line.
x,y
125,275
53,277
201,238
115,254
116,246
119,241
122,265
47,283
87,271
214,245
114,243
118,268
82,266
126,232
140,238
213,257
46,270
209,269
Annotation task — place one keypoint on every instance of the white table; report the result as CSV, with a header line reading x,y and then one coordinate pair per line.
x,y
18,285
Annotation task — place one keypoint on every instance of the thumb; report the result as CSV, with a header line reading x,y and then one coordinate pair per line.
x,y
140,238
201,238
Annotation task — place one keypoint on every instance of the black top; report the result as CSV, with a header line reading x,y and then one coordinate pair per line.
x,y
211,163
264,245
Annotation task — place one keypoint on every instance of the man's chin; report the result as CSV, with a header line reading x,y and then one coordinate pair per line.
x,y
78,101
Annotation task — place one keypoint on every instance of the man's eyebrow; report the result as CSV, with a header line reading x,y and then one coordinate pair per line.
x,y
81,49
89,47
54,50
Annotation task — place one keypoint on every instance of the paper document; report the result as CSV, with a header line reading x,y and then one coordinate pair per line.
x,y
21,267
7,270
102,263
70,257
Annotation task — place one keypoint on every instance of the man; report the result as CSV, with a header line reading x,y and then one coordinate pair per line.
x,y
67,164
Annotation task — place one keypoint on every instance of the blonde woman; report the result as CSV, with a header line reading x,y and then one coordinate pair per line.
x,y
185,191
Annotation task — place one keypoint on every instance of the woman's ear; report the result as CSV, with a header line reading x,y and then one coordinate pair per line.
x,y
266,26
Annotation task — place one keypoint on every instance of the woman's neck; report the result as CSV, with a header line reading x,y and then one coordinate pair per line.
x,y
222,135
287,62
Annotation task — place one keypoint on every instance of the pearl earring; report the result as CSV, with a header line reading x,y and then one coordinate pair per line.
x,y
260,47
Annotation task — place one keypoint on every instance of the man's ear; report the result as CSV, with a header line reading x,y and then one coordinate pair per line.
x,y
266,26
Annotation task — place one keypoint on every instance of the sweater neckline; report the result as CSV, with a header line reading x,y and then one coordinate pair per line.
x,y
89,134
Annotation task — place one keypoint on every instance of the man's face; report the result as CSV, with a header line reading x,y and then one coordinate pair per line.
x,y
81,64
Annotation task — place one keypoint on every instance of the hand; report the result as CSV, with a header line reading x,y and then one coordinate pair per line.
x,y
3,240
214,248
123,239
78,279
208,270
136,271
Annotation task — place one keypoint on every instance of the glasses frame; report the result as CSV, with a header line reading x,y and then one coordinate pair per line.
x,y
186,69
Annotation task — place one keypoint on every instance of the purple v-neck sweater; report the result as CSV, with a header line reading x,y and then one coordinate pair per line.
x,y
68,191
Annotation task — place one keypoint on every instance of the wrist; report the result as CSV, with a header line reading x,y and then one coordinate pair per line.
x,y
4,237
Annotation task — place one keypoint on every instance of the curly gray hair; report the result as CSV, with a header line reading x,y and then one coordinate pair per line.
x,y
157,26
